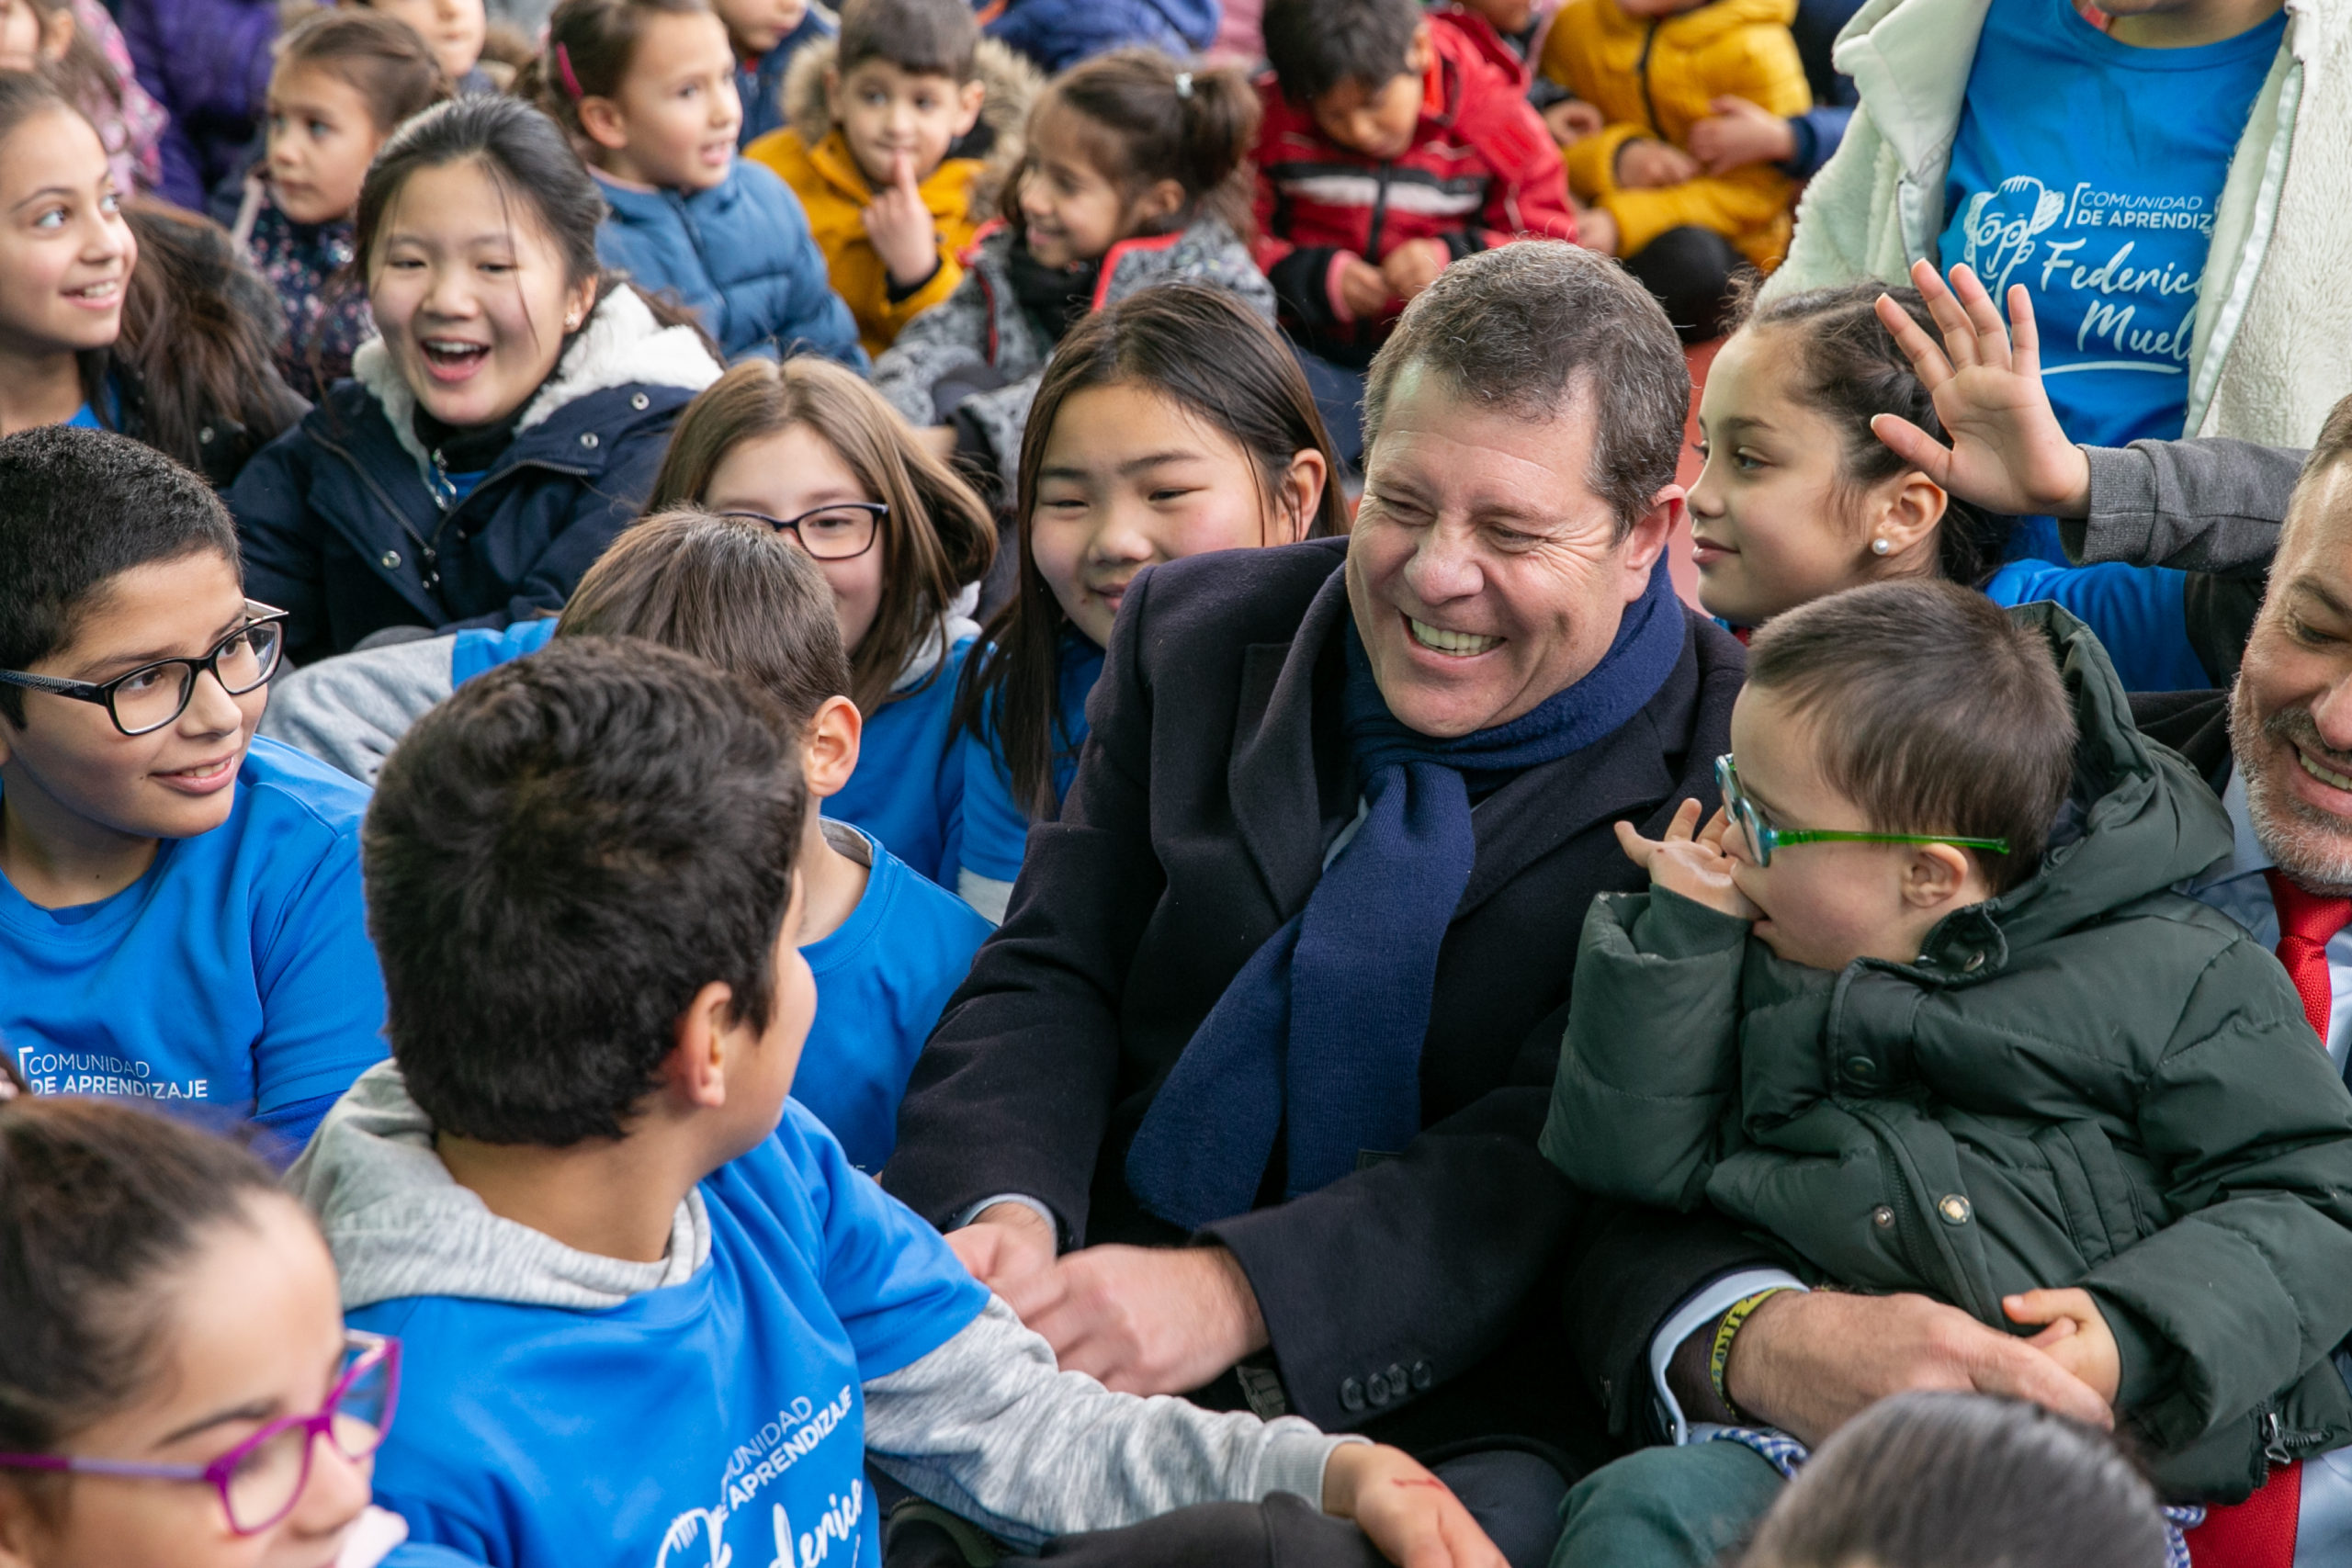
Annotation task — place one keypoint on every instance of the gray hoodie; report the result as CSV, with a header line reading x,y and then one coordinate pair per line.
x,y
985,1425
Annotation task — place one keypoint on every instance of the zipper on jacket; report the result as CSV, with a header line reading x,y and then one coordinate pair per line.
x,y
2282,1446
1379,214
1642,69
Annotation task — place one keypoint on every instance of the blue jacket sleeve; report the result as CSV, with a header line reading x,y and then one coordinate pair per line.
x,y
1818,132
2138,612
811,317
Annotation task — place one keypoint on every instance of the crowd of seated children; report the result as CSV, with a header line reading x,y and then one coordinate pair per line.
x,y
788,442
344,81
1393,141
179,901
501,428
1942,1025
1134,174
1169,424
898,142
614,1251
1656,69
646,90
77,46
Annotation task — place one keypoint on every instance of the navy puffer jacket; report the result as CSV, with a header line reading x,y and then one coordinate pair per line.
x,y
342,523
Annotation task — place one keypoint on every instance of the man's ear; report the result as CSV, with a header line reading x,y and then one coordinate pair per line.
x,y
705,1043
601,120
973,94
1938,876
829,749
1647,539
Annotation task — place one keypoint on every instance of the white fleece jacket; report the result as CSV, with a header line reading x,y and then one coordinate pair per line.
x,y
2273,346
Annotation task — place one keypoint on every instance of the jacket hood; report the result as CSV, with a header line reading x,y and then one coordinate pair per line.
x,y
945,632
1012,82
622,345
400,1225
2138,820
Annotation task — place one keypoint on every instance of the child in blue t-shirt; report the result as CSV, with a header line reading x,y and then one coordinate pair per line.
x,y
180,915
648,90
1171,424
649,1310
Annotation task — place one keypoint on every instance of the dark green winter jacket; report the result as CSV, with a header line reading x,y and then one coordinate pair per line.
x,y
2090,1080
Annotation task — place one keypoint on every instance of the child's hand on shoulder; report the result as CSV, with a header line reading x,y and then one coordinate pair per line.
x,y
1690,860
1414,265
1646,164
2077,1338
1410,1517
901,226
2008,452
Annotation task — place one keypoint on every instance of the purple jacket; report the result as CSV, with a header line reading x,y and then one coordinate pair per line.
x,y
207,62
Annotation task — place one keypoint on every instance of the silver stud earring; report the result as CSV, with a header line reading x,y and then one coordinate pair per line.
x,y
1879,547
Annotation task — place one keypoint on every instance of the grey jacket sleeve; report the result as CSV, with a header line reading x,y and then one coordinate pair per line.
x,y
988,1429
2208,505
350,711
950,335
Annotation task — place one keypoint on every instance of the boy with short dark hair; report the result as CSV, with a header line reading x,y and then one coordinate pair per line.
x,y
650,1312
1392,144
1921,1005
896,141
179,901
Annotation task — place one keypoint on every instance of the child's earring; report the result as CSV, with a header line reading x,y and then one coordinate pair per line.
x,y
1879,547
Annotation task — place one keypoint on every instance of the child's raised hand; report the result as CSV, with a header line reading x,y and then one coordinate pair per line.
x,y
1646,164
1690,860
901,226
1365,290
1738,133
1410,1517
1414,265
2077,1338
2008,452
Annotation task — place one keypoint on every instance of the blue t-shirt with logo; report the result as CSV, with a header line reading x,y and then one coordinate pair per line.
x,y
882,980
721,1420
2090,170
233,978
995,830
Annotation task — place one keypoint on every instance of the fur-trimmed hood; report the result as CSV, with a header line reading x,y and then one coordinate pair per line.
x,y
1013,84
622,344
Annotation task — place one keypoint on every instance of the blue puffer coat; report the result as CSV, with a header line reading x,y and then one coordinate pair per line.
x,y
341,521
1058,34
741,254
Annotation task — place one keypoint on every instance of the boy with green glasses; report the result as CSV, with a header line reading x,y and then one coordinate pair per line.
x,y
1919,1006
180,917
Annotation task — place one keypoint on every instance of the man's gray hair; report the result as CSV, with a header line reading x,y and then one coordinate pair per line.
x,y
1524,328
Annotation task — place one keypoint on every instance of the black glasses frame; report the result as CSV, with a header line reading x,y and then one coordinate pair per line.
x,y
103,694
875,510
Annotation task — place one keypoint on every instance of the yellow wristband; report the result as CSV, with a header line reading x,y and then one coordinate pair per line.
x,y
1719,1355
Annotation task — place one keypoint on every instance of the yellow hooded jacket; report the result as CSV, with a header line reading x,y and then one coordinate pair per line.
x,y
814,159
1655,77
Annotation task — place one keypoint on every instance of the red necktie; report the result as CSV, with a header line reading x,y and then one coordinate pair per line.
x,y
2306,922
2260,1532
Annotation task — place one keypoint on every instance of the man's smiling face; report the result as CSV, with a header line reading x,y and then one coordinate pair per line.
x,y
2291,714
1484,572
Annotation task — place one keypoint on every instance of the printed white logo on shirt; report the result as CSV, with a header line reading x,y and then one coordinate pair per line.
x,y
698,1537
2099,295
103,1073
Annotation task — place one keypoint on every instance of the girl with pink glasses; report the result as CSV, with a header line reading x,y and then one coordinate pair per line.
x,y
176,1385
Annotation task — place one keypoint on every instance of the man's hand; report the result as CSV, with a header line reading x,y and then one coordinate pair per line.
x,y
1364,288
1572,120
2077,1338
1646,164
1413,1518
2008,452
1738,133
1005,1246
1807,1362
1690,860
1414,265
901,226
1143,1319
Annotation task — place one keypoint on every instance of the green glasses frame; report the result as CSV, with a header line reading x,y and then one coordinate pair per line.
x,y
1763,838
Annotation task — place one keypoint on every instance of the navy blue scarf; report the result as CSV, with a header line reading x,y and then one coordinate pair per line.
x,y
1319,1035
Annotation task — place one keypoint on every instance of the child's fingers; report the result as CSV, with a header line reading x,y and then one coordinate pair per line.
x,y
1914,446
1927,361
903,172
1960,338
1685,825
1984,317
1713,834
1637,848
2025,335
2045,1306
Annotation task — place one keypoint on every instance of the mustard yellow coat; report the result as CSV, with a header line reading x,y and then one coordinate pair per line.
x,y
1655,78
833,191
